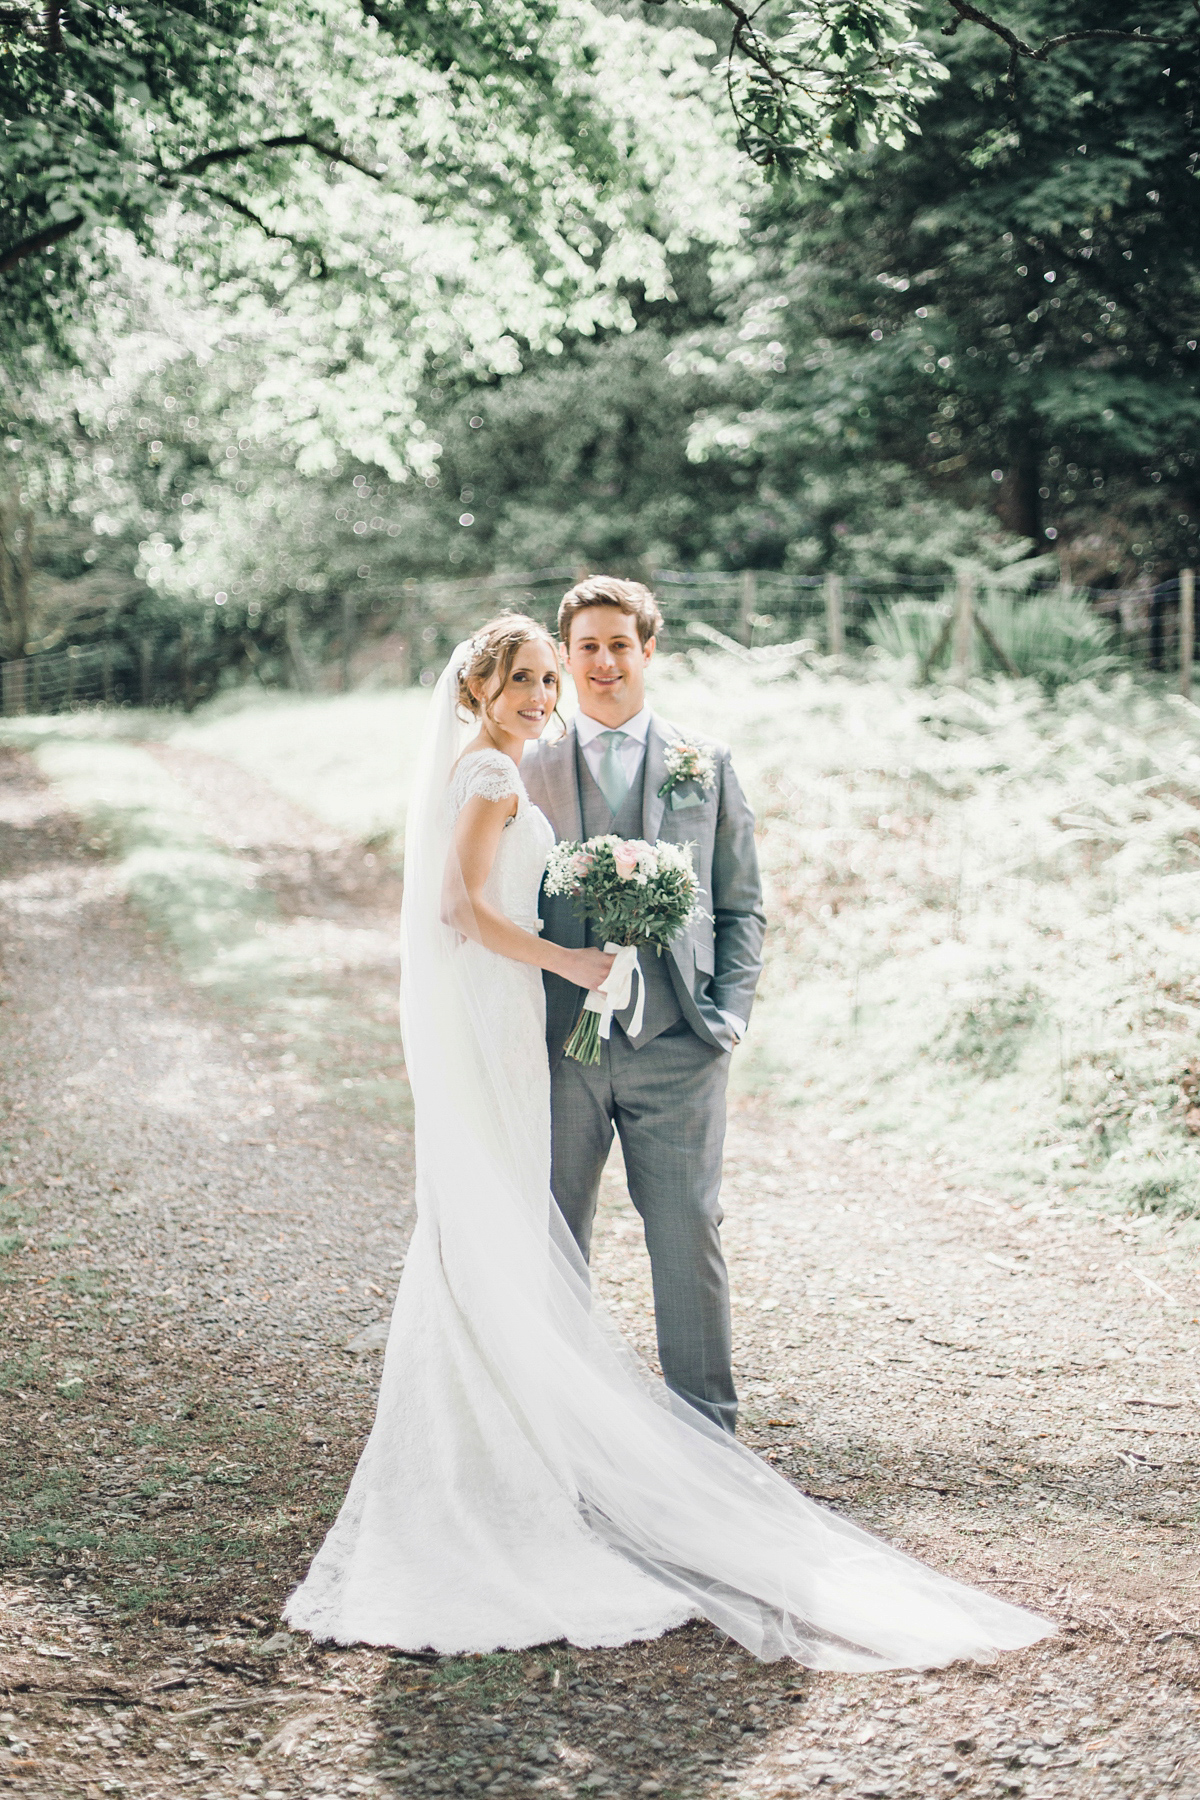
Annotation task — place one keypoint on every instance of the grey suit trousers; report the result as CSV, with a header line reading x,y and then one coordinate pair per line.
x,y
667,1103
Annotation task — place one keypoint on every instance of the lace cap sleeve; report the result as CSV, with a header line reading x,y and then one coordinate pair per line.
x,y
486,773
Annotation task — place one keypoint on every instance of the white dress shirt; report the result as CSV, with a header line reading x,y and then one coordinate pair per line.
x,y
631,752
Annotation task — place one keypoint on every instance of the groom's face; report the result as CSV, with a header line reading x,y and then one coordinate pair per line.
x,y
607,661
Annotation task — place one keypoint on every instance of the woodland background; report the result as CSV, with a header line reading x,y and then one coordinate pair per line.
x,y
304,300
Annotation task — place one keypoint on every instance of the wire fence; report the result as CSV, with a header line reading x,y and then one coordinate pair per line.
x,y
82,675
408,637
751,607
759,608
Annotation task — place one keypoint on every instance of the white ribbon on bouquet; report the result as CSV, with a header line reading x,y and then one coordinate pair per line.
x,y
613,994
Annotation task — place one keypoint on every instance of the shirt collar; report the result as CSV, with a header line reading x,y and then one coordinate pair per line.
x,y
637,727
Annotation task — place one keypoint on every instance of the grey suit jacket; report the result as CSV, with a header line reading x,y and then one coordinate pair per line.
x,y
715,964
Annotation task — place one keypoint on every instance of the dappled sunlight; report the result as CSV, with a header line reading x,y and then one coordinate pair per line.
x,y
346,758
267,907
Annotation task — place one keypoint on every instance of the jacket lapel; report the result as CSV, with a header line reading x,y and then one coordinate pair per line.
x,y
562,787
653,806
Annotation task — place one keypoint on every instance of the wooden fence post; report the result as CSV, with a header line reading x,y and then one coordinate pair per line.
x,y
107,664
146,672
835,632
72,659
748,604
1187,629
989,637
964,615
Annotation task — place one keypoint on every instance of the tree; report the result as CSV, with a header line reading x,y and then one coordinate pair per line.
x,y
219,396
16,567
1008,302
111,113
479,208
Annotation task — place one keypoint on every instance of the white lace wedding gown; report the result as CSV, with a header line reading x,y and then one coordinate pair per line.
x,y
527,1479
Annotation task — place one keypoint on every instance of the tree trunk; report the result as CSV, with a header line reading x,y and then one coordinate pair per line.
x,y
302,674
185,669
16,567
1018,503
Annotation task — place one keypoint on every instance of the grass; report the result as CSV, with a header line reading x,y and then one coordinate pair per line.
x,y
207,1498
982,902
193,889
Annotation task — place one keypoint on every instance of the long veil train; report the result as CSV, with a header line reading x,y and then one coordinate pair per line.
x,y
514,1419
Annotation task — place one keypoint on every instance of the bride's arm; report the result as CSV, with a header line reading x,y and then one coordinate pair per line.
x,y
476,840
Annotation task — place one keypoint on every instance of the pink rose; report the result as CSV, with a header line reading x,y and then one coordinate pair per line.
x,y
625,857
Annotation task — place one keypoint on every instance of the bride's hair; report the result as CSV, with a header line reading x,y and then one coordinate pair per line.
x,y
493,652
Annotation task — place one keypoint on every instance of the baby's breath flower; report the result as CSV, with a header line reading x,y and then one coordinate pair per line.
x,y
636,893
688,763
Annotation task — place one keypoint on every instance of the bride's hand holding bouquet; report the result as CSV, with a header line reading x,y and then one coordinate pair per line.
x,y
635,893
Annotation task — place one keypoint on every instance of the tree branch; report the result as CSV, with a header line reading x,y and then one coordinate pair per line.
x,y
745,38
281,237
288,141
1018,49
41,240
170,178
838,71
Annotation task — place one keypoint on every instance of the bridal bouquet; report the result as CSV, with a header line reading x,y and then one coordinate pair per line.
x,y
637,893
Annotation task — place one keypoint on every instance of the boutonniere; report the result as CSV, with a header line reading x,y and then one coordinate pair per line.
x,y
687,764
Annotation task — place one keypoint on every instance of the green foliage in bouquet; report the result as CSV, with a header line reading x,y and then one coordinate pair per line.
x,y
634,892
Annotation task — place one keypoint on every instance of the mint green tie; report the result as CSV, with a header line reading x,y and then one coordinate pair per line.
x,y
612,779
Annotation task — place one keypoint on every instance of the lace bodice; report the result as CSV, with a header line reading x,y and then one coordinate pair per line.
x,y
516,877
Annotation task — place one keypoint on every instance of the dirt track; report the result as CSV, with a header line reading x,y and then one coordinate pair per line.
x,y
194,1234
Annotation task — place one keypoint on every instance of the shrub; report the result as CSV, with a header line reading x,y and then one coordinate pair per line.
x,y
989,1035
907,628
1174,1187
1055,638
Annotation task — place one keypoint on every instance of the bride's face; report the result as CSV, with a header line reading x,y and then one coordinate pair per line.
x,y
522,707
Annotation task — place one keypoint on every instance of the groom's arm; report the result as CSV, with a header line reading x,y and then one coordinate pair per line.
x,y
739,921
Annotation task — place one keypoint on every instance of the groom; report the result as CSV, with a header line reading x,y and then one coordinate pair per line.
x,y
664,1089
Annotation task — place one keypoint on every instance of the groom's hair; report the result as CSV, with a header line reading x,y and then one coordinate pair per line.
x,y
608,590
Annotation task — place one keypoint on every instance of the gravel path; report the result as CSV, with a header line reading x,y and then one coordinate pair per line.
x,y
202,1231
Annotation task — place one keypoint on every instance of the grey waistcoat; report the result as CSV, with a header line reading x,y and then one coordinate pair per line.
x,y
662,1005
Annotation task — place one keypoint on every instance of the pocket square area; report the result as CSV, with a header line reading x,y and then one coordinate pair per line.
x,y
679,800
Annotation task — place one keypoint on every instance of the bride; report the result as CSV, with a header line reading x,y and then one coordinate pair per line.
x,y
527,1478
